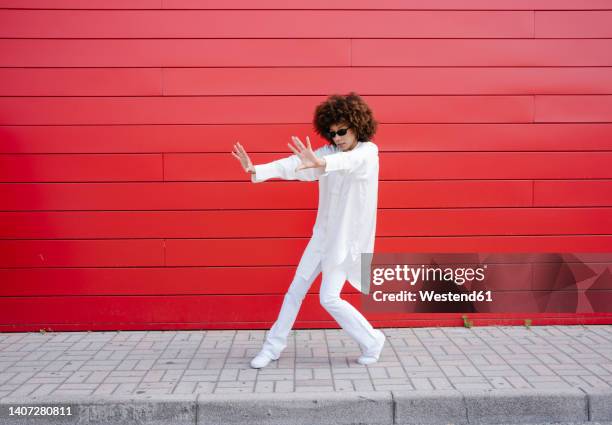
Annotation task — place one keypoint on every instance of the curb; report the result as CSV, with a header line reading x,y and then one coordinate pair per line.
x,y
371,407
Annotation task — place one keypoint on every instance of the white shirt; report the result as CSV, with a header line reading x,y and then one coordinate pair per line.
x,y
346,216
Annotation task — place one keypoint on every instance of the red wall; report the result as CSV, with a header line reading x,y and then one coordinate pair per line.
x,y
122,208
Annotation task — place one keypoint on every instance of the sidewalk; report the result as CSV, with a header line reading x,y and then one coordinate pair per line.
x,y
496,374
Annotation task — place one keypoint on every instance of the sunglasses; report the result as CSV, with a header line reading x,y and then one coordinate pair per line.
x,y
340,132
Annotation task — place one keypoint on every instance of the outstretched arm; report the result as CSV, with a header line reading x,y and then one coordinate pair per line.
x,y
288,168
350,161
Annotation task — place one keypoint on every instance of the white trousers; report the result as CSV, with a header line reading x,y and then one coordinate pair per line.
x,y
347,316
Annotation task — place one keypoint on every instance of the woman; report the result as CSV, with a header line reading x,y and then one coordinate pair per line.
x,y
347,172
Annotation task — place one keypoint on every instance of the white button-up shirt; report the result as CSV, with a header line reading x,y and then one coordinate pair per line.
x,y
346,218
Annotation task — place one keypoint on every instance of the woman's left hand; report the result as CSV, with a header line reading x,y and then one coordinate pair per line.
x,y
306,154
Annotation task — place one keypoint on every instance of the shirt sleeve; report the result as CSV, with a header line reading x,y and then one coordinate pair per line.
x,y
351,161
285,169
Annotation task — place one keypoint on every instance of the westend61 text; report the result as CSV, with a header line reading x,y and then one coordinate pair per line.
x,y
432,296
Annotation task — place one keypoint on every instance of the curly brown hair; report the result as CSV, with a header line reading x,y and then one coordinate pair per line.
x,y
350,109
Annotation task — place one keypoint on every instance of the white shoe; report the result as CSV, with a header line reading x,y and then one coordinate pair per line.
x,y
261,360
371,356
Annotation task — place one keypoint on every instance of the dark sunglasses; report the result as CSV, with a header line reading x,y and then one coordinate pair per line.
x,y
340,132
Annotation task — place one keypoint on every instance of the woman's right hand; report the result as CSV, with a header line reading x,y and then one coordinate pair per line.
x,y
243,157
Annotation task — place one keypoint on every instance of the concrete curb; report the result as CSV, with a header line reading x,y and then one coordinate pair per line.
x,y
372,407
375,407
600,404
526,406
444,406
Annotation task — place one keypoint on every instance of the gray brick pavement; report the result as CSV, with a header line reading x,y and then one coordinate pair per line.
x,y
210,362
